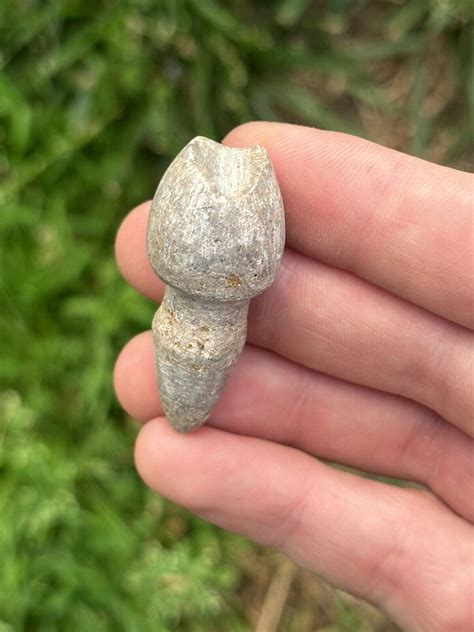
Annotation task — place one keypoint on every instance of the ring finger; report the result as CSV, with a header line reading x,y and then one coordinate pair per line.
x,y
275,399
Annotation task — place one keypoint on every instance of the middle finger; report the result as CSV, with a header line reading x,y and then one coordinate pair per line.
x,y
332,321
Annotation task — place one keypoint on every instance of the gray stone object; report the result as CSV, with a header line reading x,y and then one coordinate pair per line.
x,y
215,236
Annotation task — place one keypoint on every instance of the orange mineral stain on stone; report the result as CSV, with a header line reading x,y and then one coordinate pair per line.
x,y
233,280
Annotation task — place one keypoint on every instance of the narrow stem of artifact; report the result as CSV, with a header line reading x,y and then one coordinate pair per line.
x,y
197,343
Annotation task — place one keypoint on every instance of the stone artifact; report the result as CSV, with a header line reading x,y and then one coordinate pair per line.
x,y
215,236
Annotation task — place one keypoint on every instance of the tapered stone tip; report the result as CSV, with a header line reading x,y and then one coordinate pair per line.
x,y
216,237
188,398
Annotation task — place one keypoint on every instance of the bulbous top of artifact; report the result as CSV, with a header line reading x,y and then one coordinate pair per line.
x,y
217,226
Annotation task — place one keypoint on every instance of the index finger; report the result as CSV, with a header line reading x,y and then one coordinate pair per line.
x,y
400,222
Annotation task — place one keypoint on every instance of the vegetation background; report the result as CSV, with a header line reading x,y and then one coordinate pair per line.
x,y
95,99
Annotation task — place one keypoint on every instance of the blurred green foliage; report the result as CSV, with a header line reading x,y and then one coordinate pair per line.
x,y
95,99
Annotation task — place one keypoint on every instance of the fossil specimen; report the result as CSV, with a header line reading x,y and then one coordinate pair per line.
x,y
215,236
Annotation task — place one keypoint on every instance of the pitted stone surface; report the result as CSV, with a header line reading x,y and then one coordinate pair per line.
x,y
215,236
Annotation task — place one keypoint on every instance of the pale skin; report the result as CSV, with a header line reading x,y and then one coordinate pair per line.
x,y
360,353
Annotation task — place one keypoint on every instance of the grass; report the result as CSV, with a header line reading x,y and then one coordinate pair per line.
x,y
95,99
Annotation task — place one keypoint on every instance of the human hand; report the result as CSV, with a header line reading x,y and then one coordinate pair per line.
x,y
360,353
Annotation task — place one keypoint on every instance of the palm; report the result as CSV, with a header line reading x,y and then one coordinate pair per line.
x,y
360,353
